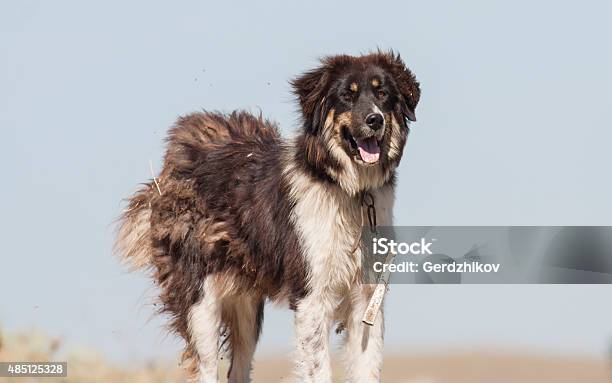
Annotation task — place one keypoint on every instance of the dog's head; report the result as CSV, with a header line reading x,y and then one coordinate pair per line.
x,y
356,112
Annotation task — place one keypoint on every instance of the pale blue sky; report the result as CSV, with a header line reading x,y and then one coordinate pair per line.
x,y
513,128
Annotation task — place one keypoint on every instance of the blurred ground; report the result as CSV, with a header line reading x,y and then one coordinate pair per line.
x,y
467,368
86,366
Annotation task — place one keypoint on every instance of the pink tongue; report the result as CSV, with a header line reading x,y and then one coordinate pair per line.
x,y
369,150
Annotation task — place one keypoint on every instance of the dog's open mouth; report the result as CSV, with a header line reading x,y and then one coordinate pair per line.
x,y
368,148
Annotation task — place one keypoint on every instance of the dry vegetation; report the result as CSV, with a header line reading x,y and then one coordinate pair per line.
x,y
86,366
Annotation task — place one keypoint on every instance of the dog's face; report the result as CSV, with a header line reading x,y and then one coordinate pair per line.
x,y
363,100
356,112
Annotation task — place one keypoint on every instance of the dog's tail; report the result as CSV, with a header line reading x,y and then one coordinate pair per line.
x,y
133,241
189,143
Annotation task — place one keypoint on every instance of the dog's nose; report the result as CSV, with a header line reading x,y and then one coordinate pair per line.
x,y
374,120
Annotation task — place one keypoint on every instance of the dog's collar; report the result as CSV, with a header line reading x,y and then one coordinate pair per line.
x,y
367,200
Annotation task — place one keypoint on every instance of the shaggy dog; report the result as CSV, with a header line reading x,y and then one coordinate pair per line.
x,y
238,216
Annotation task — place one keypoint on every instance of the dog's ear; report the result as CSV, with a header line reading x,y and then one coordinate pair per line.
x,y
407,84
311,89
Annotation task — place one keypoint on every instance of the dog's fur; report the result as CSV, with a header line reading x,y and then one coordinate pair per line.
x,y
239,216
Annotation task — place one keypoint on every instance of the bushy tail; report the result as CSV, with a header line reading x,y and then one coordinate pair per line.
x,y
133,242
188,143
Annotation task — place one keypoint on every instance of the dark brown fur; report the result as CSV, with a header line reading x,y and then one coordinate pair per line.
x,y
210,219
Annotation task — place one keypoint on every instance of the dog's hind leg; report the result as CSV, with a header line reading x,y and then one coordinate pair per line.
x,y
243,316
204,327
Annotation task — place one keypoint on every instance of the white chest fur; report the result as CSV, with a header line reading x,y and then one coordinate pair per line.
x,y
329,222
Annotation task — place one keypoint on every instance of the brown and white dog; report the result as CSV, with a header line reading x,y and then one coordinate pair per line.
x,y
239,216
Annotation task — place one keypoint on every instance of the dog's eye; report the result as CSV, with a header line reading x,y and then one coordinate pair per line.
x,y
348,97
381,93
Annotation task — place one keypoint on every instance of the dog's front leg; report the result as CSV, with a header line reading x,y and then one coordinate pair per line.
x,y
313,319
363,347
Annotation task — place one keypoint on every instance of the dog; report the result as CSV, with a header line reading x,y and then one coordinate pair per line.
x,y
239,216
